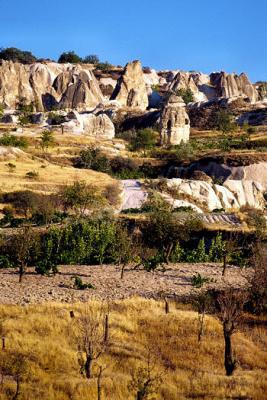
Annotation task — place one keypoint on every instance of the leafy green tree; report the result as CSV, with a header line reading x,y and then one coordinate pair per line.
x,y
224,121
47,139
144,139
81,197
69,57
186,94
93,158
17,55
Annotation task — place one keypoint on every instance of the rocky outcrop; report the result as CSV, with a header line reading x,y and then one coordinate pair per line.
x,y
216,85
232,85
174,122
99,126
49,85
131,90
232,195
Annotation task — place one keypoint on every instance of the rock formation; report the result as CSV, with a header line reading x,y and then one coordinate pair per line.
x,y
49,85
131,89
216,85
174,122
99,126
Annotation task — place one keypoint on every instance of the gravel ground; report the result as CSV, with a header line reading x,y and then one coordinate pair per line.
x,y
175,281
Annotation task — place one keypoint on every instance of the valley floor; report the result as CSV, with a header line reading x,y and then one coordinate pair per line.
x,y
174,282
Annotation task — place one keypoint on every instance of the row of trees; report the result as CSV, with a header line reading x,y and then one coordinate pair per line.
x,y
26,57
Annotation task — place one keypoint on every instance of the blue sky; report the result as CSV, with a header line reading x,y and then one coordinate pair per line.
x,y
204,35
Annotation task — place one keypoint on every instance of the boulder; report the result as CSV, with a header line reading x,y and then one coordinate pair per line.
x,y
130,90
174,122
99,126
247,193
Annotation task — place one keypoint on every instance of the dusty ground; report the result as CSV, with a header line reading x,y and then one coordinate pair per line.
x,y
175,281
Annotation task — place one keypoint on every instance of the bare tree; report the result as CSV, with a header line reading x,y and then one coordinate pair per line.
x,y
146,380
203,303
258,282
15,365
231,304
101,370
91,335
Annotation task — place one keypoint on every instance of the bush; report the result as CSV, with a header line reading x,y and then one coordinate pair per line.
x,y
91,59
14,141
144,139
5,262
55,119
17,55
103,66
198,255
92,158
69,57
33,175
198,281
153,262
112,194
186,94
224,121
79,285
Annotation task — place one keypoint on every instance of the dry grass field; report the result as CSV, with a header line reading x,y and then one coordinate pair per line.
x,y
47,336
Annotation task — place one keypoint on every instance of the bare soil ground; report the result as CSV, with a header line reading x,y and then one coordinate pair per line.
x,y
174,282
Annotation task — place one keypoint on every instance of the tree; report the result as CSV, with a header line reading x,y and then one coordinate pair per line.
x,y
15,365
186,94
69,57
164,229
17,55
93,158
81,198
21,248
231,304
144,139
122,249
91,337
145,381
47,139
91,59
224,121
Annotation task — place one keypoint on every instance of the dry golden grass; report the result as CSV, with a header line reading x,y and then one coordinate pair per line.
x,y
45,333
50,176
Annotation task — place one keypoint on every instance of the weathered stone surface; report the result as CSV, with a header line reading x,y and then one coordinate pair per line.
x,y
100,126
131,89
232,85
216,85
174,122
49,85
247,193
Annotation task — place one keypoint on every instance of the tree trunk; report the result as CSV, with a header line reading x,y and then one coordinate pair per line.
x,y
106,333
16,396
229,361
122,270
224,264
88,366
167,308
99,392
201,328
21,272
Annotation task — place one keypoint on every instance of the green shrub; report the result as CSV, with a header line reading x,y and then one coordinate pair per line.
x,y
153,262
93,158
186,94
91,59
33,175
198,281
5,262
17,55
69,57
144,139
14,141
79,285
198,255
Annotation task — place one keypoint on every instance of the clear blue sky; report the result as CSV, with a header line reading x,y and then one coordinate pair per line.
x,y
205,35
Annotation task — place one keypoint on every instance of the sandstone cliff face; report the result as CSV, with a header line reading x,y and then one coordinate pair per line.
x,y
49,85
174,122
232,85
216,85
131,89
